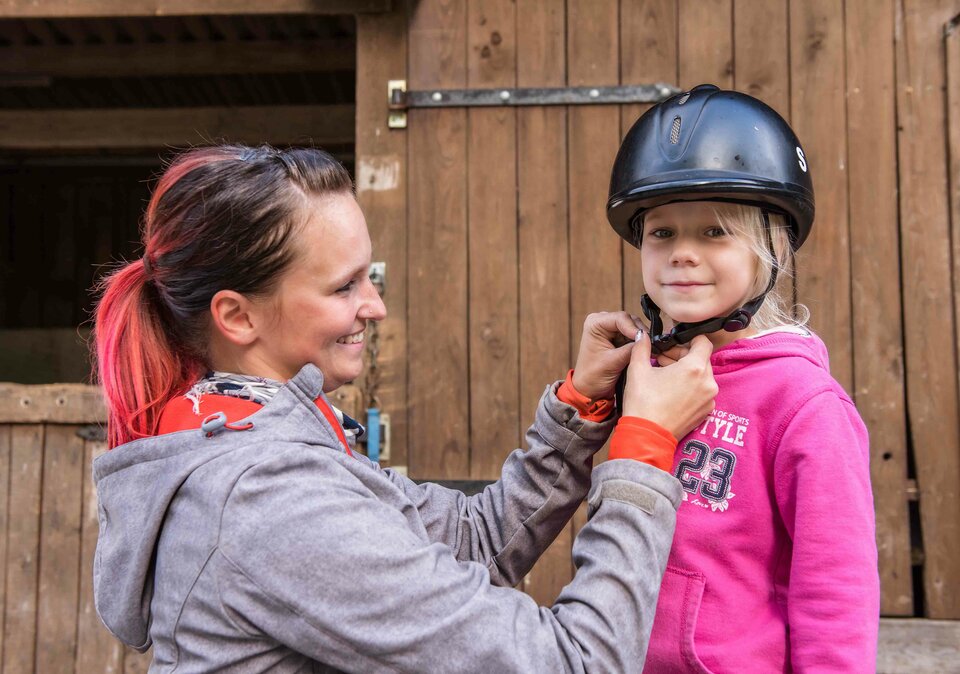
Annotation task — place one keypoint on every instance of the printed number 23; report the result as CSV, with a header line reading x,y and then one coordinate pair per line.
x,y
722,464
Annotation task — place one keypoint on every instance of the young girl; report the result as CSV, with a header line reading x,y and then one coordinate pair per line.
x,y
774,562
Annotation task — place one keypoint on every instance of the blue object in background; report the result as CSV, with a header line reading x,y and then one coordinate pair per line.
x,y
373,434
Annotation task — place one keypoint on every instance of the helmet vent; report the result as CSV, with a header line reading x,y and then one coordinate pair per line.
x,y
675,131
683,99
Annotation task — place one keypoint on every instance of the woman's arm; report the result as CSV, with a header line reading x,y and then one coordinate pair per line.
x,y
310,558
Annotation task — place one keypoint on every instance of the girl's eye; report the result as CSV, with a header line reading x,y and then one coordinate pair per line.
x,y
716,232
660,233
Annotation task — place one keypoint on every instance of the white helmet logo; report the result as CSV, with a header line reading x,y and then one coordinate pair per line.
x,y
803,160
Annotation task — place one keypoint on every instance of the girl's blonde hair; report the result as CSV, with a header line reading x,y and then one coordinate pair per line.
x,y
746,223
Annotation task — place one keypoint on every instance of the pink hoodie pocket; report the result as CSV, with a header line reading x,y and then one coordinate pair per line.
x,y
672,649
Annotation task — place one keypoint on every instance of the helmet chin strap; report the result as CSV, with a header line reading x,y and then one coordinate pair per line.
x,y
682,333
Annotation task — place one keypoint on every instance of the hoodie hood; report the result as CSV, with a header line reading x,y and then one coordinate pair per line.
x,y
786,342
136,484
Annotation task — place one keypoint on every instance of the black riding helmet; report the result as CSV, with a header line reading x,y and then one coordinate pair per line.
x,y
715,145
708,144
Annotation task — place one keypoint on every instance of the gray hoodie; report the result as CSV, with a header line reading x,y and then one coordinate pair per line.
x,y
272,549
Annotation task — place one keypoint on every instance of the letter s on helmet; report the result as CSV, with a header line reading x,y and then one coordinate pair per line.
x,y
710,145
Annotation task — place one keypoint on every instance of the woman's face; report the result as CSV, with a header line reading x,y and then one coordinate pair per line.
x,y
325,298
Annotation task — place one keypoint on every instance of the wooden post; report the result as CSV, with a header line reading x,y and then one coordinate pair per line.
x,y
492,241
927,282
439,381
381,178
878,333
544,320
818,115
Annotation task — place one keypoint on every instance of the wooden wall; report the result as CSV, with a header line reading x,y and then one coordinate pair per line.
x,y
492,225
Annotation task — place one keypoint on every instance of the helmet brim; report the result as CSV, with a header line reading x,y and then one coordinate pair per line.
x,y
793,201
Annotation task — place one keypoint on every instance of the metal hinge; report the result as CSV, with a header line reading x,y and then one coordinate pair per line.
x,y
400,100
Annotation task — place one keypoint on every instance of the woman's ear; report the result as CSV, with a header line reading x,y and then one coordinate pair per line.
x,y
233,318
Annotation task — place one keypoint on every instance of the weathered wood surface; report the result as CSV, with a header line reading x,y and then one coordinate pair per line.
x,y
381,180
926,271
61,403
147,128
878,373
494,349
202,58
35,9
919,647
439,382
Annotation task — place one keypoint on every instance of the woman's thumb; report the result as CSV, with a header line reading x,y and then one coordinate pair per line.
x,y
641,349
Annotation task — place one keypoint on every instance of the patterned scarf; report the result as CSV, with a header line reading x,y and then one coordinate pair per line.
x,y
261,391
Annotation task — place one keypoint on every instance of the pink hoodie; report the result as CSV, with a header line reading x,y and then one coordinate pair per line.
x,y
774,562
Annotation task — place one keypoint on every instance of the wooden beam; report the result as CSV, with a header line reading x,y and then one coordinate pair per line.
x,y
151,60
918,646
54,403
319,125
47,9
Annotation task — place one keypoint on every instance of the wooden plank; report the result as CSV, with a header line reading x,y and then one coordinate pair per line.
x,y
177,58
382,194
760,52
492,242
136,663
594,138
58,403
543,255
23,547
878,350
117,128
919,647
818,115
648,53
705,48
439,381
926,277
952,44
97,649
5,444
55,9
59,581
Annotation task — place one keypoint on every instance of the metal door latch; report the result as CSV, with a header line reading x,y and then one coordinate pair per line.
x,y
400,100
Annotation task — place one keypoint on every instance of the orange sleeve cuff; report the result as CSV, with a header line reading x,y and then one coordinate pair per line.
x,y
643,440
589,410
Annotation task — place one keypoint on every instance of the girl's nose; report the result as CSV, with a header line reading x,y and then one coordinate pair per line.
x,y
684,252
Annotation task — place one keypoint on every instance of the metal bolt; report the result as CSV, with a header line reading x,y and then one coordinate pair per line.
x,y
504,95
594,93
664,91
437,96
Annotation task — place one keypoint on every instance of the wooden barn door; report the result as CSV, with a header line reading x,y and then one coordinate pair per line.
x,y
492,225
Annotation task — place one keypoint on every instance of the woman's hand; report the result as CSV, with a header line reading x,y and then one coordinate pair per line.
x,y
677,396
605,347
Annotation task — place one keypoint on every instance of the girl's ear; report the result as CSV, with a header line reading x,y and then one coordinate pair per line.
x,y
233,317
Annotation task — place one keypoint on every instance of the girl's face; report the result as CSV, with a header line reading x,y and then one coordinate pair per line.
x,y
325,297
692,268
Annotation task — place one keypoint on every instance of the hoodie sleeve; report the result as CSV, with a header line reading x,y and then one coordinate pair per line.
x,y
310,558
822,482
509,525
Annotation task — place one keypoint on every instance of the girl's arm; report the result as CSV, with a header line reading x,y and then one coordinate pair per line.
x,y
822,483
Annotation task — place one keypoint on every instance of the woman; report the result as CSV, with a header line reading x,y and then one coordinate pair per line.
x,y
239,531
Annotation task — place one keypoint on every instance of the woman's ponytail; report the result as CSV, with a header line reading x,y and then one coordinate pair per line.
x,y
138,366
